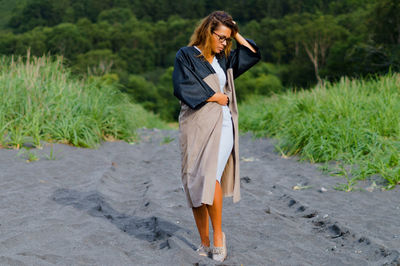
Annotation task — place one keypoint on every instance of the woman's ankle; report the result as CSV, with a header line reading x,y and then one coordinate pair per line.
x,y
206,243
218,239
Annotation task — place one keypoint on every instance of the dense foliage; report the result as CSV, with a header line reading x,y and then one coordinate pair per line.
x,y
354,122
303,42
40,100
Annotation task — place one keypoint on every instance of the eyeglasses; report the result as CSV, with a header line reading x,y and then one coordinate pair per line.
x,y
222,38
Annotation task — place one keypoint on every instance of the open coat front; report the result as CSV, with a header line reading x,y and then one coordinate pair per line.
x,y
200,122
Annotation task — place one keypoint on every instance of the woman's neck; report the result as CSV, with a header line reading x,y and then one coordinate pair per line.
x,y
209,58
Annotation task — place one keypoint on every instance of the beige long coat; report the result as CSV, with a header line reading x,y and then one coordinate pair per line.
x,y
200,122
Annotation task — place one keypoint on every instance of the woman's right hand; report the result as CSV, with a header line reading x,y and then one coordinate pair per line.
x,y
220,98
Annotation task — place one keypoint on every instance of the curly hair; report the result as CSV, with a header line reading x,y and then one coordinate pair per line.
x,y
203,32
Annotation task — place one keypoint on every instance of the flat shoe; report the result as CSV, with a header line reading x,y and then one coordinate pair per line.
x,y
203,250
219,253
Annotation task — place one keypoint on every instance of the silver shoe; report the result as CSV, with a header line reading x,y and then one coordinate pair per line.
x,y
219,253
203,250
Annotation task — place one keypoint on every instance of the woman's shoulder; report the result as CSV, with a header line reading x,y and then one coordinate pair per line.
x,y
186,50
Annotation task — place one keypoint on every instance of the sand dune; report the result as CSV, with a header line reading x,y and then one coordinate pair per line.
x,y
122,204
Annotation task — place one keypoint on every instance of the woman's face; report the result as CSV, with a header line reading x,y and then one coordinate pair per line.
x,y
220,38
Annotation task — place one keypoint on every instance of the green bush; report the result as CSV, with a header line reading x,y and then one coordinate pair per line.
x,y
157,98
99,62
263,79
355,122
115,15
40,100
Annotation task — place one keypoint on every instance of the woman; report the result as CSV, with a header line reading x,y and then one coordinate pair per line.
x,y
208,121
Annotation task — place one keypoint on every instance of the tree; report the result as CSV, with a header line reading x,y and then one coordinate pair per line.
x,y
384,21
33,40
99,62
115,15
168,106
36,13
98,34
138,46
316,34
143,91
7,43
66,39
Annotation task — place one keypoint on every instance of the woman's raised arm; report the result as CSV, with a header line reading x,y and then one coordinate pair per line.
x,y
242,41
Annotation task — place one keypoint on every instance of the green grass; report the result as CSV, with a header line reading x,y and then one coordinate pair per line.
x,y
41,100
353,122
30,156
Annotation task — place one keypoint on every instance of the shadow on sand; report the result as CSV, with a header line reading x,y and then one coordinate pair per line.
x,y
94,203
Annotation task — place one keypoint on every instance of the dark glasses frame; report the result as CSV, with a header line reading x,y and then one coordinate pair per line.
x,y
223,38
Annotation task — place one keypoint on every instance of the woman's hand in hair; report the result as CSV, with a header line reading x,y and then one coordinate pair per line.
x,y
219,98
235,29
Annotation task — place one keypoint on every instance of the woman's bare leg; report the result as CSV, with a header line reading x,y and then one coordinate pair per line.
x,y
215,212
201,217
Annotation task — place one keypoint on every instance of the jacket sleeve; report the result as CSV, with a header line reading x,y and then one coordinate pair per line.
x,y
189,87
242,58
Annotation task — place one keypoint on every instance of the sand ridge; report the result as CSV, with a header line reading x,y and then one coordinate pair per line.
x,y
122,204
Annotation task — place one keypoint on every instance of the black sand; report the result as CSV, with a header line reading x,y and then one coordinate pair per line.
x,y
122,204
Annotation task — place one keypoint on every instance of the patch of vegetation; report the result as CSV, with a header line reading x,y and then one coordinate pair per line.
x,y
354,122
40,99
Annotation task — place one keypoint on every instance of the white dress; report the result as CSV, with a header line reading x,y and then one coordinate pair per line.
x,y
226,142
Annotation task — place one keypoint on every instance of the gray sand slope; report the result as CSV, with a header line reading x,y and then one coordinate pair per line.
x,y
122,204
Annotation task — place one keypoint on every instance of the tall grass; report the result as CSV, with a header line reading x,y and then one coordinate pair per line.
x,y
354,122
40,100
